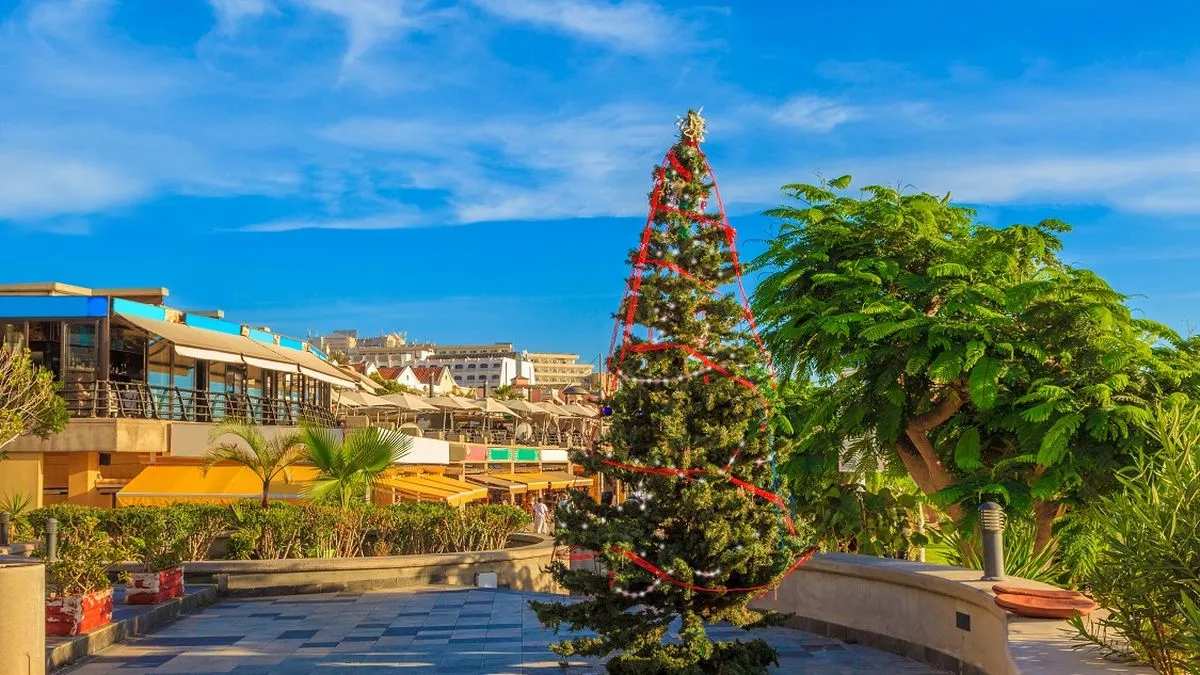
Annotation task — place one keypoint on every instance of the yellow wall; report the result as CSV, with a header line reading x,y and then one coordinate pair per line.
x,y
21,473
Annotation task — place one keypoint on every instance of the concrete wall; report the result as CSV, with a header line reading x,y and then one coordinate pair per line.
x,y
190,439
22,617
21,473
517,568
100,435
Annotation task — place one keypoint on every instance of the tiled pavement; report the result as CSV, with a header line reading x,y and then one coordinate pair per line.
x,y
429,631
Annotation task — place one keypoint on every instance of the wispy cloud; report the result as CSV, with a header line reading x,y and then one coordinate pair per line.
x,y
630,26
814,113
411,218
231,13
369,22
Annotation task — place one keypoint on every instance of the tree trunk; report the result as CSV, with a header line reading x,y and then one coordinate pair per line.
x,y
266,501
1045,513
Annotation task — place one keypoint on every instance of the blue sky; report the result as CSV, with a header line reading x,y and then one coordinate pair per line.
x,y
477,170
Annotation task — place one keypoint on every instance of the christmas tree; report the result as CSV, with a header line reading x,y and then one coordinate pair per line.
x,y
706,528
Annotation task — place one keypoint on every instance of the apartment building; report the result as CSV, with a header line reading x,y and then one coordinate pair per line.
x,y
480,371
558,370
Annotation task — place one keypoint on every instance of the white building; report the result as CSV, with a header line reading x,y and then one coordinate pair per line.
x,y
478,371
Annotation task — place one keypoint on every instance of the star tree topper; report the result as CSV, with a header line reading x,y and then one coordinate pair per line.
x,y
692,127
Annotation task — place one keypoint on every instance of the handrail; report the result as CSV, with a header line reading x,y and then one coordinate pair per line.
x,y
138,400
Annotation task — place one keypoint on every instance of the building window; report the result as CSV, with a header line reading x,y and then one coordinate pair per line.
x,y
471,366
495,377
105,459
458,366
470,377
495,365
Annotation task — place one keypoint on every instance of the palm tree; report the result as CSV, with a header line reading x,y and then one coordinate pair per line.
x,y
348,469
504,392
267,459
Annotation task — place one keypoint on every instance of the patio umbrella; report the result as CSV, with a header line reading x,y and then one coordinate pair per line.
x,y
581,411
491,406
362,399
449,405
522,406
409,402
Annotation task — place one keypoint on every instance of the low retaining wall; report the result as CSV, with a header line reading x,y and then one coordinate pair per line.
x,y
143,621
22,617
518,567
944,616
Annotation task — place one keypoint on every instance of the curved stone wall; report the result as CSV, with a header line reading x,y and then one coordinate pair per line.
x,y
944,616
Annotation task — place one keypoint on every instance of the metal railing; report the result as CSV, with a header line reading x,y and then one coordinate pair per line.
x,y
138,400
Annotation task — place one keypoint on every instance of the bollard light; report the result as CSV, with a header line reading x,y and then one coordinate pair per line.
x,y
51,540
991,522
5,519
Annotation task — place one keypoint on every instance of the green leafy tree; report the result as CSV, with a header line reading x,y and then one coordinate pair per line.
x,y
972,355
707,532
266,458
29,404
349,468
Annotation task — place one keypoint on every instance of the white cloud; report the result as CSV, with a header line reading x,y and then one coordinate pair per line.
x,y
370,22
406,219
36,186
231,13
814,113
631,26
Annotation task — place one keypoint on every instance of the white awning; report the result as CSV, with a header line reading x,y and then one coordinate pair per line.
x,y
207,354
272,365
318,375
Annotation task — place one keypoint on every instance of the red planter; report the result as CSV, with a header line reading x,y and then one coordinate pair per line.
x,y
151,588
75,614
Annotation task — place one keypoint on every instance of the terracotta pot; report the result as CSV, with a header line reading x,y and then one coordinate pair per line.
x,y
76,614
151,588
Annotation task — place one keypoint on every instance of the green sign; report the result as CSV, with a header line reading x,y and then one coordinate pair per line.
x,y
527,454
499,455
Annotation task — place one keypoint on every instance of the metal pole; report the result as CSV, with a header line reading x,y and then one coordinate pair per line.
x,y
5,518
991,522
51,540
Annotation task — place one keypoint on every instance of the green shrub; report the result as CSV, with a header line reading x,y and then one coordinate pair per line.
x,y
85,554
70,517
200,525
1147,571
963,548
150,536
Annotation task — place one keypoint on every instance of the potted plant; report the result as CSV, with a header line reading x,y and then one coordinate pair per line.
x,y
78,591
157,549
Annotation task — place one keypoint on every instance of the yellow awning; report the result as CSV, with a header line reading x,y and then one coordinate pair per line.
x,y
537,480
497,483
222,484
432,488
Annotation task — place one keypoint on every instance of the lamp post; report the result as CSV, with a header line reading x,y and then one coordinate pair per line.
x,y
991,522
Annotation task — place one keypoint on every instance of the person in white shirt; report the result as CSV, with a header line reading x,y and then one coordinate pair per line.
x,y
539,516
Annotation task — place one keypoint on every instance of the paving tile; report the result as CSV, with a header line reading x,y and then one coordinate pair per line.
x,y
438,632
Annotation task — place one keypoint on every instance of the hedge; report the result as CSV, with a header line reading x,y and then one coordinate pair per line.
x,y
305,531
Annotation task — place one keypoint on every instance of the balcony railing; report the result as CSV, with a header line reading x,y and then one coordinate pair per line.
x,y
137,400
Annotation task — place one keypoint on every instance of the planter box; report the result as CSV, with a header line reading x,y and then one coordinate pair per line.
x,y
75,614
151,588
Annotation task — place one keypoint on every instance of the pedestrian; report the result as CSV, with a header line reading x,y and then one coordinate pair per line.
x,y
539,516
